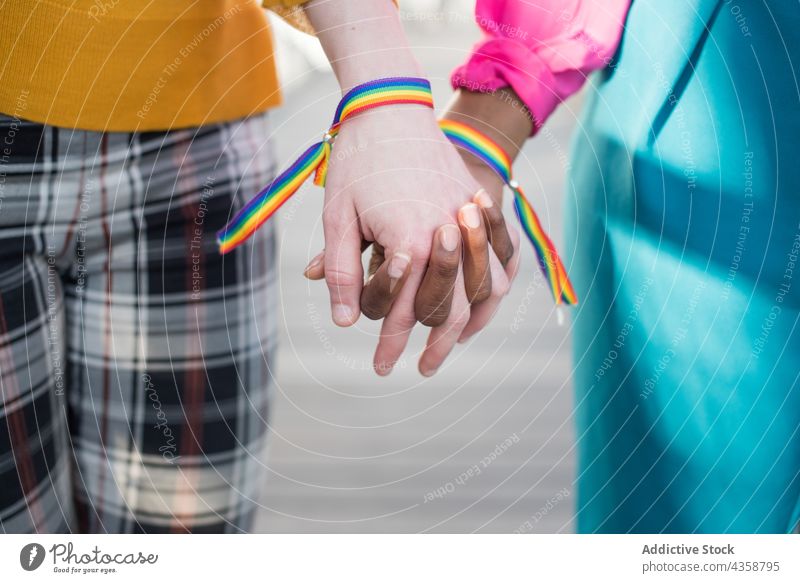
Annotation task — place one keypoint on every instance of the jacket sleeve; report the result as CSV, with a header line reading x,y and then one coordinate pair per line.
x,y
543,49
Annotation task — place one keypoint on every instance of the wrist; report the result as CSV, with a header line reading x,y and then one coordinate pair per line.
x,y
489,180
390,120
361,68
363,39
500,115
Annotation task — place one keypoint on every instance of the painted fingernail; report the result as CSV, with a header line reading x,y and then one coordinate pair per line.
x,y
397,268
483,199
342,315
313,263
471,216
448,237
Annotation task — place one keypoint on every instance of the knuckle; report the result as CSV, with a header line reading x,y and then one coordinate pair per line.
x,y
406,322
372,311
444,272
419,251
482,294
433,312
372,307
331,220
497,220
434,319
341,279
477,239
459,321
480,290
477,256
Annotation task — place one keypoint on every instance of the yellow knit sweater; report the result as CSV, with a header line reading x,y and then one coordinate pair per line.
x,y
135,65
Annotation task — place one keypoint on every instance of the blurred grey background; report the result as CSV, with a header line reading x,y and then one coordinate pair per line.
x,y
487,444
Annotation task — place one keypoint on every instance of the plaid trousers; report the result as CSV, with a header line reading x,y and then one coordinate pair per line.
x,y
135,361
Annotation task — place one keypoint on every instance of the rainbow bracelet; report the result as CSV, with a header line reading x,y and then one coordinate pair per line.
x,y
255,213
483,147
314,160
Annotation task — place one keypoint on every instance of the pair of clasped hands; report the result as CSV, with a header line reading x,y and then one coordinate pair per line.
x,y
442,254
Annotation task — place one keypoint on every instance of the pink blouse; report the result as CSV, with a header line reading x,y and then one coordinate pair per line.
x,y
543,49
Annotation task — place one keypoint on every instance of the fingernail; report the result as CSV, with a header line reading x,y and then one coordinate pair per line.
x,y
429,372
483,199
313,263
342,315
449,237
471,216
397,268
384,368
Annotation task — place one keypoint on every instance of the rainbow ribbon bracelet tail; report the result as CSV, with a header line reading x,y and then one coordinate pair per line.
x,y
480,145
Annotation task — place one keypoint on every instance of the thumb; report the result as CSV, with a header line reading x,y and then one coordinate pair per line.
x,y
315,270
344,273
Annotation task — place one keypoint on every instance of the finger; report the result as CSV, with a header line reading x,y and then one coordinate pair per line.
x,y
477,275
397,326
512,267
501,285
435,295
481,314
442,338
344,273
496,226
315,270
384,285
376,259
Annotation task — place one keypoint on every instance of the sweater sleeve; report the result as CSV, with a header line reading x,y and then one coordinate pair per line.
x,y
292,12
544,50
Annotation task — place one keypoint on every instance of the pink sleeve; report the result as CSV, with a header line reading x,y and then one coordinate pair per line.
x,y
543,49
